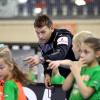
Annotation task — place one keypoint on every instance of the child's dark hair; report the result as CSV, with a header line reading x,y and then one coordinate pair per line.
x,y
42,20
94,43
16,73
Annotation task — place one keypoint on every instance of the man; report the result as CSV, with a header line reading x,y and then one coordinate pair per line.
x,y
55,44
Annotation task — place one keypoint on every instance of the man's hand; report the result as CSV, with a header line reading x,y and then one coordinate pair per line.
x,y
32,60
47,81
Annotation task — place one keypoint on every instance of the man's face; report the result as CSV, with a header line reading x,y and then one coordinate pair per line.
x,y
44,33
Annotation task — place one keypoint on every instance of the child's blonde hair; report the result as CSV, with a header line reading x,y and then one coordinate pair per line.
x,y
81,36
6,54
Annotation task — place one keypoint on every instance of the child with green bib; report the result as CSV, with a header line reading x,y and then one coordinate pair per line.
x,y
85,79
12,79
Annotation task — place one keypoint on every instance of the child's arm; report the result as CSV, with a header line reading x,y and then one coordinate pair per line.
x,y
85,90
63,63
68,82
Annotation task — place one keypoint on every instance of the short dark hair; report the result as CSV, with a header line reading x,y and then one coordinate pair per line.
x,y
42,20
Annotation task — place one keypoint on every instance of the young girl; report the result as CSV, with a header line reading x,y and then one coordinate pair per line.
x,y
86,79
12,79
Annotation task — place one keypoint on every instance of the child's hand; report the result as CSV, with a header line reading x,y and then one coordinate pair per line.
x,y
75,68
82,62
47,81
53,64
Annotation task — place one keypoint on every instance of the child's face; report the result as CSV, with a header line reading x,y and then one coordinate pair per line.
x,y
4,70
87,54
76,50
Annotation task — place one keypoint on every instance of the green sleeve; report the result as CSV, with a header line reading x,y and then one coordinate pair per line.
x,y
95,81
10,90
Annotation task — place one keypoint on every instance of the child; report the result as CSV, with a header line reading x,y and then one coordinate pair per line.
x,y
85,79
13,79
